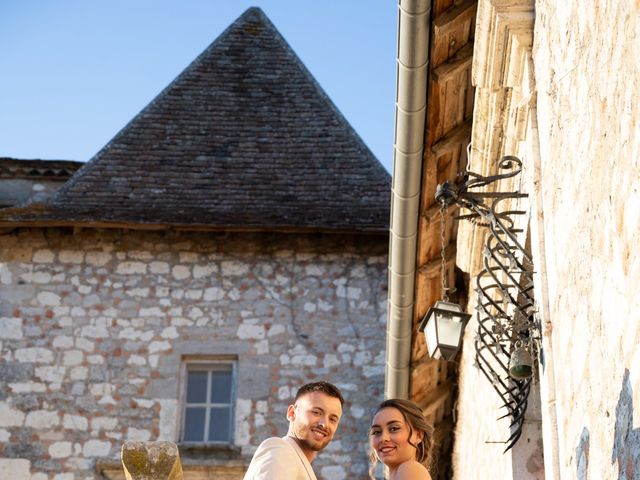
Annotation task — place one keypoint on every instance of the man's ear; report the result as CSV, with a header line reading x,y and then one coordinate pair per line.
x,y
291,413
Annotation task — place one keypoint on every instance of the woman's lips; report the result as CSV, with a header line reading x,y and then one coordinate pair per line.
x,y
386,450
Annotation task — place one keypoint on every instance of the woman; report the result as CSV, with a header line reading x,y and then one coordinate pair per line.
x,y
400,437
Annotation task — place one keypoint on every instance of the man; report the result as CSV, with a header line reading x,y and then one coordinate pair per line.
x,y
313,420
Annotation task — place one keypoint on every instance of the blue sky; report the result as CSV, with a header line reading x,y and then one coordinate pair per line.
x,y
74,72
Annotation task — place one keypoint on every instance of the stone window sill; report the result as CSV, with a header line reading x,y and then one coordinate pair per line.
x,y
193,448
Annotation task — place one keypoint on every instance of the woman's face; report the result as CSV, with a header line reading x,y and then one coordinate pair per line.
x,y
390,437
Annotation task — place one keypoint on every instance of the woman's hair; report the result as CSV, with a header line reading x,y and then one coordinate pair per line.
x,y
412,414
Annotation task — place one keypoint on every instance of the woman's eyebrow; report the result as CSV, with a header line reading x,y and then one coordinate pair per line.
x,y
392,422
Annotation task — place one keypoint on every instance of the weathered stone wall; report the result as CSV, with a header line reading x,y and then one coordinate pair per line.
x,y
587,64
94,324
580,143
17,191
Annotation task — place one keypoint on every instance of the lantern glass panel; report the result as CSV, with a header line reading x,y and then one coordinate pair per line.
x,y
448,329
431,335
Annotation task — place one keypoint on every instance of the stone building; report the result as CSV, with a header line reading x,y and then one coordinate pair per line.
x,y
24,181
228,245
556,85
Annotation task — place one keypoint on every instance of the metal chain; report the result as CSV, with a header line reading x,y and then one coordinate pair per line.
x,y
445,290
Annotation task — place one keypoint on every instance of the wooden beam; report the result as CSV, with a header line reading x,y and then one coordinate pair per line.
x,y
442,432
453,139
441,448
432,267
455,65
436,399
451,19
432,213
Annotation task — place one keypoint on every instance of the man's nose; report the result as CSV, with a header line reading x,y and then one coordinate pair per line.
x,y
324,421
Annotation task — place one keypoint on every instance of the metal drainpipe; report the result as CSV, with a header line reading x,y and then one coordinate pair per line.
x,y
414,17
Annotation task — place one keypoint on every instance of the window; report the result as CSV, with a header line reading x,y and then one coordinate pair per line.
x,y
208,406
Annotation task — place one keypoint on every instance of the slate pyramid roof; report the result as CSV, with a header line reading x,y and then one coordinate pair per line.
x,y
243,138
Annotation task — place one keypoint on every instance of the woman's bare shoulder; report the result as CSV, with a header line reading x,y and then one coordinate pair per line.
x,y
412,470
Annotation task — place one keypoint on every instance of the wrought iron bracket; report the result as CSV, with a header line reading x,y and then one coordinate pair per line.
x,y
508,328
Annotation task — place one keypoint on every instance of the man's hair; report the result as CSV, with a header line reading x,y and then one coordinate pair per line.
x,y
324,387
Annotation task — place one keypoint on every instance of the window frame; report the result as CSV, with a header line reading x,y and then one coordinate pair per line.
x,y
208,364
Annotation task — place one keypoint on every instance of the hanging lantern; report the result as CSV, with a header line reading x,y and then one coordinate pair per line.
x,y
444,323
520,363
443,326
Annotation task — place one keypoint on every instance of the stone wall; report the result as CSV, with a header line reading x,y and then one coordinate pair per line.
x,y
18,191
587,67
94,325
565,101
32,180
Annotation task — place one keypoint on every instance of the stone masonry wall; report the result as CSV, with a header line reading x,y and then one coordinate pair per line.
x,y
94,325
587,64
16,191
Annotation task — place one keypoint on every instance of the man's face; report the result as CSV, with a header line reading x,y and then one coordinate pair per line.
x,y
313,420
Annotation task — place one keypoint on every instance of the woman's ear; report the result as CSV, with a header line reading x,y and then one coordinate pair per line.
x,y
417,436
